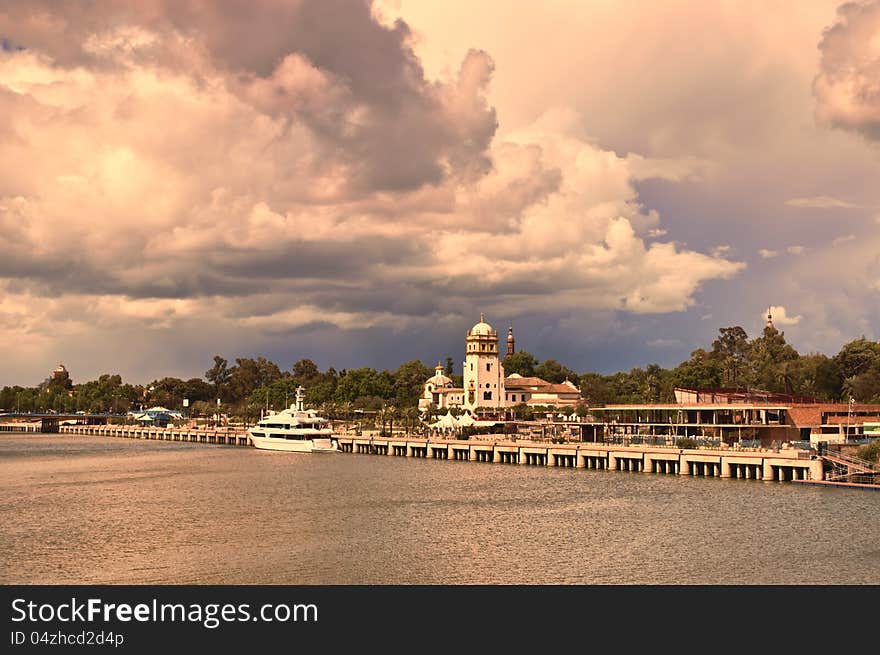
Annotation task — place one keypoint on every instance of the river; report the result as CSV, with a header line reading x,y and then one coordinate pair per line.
x,y
104,510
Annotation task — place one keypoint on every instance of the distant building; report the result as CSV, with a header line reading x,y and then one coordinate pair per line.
x,y
486,388
735,415
535,391
60,378
158,416
441,391
731,395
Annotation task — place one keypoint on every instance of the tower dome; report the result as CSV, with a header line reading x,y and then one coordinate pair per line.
x,y
439,380
482,328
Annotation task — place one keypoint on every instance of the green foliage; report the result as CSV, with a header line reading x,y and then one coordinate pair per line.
x,y
770,362
365,382
596,389
701,371
219,373
870,452
248,375
550,370
731,350
521,362
409,382
858,357
767,362
305,370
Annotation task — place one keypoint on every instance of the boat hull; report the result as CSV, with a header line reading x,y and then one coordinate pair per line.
x,y
317,445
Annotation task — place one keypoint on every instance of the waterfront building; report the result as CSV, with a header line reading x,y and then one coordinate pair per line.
x,y
158,416
732,416
487,390
483,371
441,391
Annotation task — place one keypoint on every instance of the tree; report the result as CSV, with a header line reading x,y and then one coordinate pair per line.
x,y
218,374
450,368
430,412
364,382
411,418
304,370
769,356
857,357
250,374
701,371
865,387
552,371
409,382
731,350
595,388
521,362
654,376
523,412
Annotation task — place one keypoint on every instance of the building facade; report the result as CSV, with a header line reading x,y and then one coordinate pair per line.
x,y
487,390
483,372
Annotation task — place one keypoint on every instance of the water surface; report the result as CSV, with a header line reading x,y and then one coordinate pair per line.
x,y
103,510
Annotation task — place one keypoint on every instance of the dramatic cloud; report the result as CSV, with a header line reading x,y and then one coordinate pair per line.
x,y
847,88
165,165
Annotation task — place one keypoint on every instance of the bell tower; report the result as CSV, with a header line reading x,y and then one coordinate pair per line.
x,y
483,373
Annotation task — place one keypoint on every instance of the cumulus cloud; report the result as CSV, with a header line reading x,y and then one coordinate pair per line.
x,y
176,163
847,88
820,202
767,254
795,250
781,318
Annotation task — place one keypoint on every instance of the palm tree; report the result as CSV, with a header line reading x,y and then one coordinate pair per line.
x,y
430,413
411,414
393,412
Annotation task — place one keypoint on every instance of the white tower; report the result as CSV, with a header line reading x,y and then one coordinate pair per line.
x,y
483,373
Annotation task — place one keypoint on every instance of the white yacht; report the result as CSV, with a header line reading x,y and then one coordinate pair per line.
x,y
295,430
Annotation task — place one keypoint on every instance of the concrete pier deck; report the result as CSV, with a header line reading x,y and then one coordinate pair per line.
x,y
212,436
783,465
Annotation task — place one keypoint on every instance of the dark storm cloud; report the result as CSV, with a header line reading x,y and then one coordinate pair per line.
x,y
326,260
392,128
228,273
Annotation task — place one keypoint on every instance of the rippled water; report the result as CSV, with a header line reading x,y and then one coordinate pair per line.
x,y
97,510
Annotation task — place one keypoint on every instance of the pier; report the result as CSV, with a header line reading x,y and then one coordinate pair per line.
x,y
787,465
210,436
782,466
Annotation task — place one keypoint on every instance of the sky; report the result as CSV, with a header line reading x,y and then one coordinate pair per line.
x,y
354,182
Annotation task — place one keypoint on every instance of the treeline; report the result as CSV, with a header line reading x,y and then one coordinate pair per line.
x,y
243,388
766,363
246,386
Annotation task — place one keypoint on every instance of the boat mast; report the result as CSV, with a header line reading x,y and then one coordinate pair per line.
x,y
300,397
